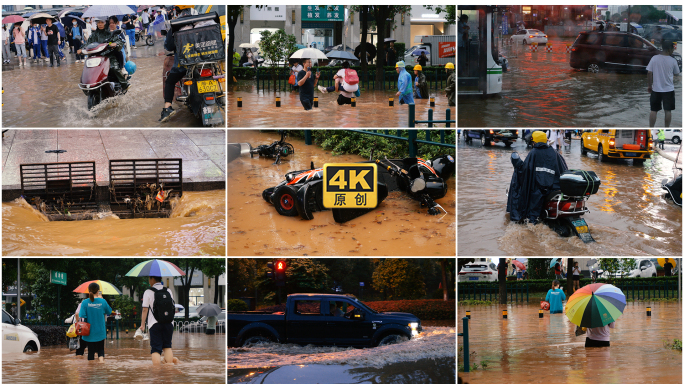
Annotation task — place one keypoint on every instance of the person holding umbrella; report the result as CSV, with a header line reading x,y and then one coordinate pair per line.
x,y
211,311
391,55
307,83
34,39
95,309
405,90
6,53
596,307
53,38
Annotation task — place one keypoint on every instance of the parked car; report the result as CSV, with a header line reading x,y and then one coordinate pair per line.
x,y
645,268
673,135
478,272
17,338
616,51
529,36
322,319
201,325
487,136
410,59
636,144
181,314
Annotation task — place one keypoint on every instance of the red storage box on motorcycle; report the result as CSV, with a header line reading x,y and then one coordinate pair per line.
x,y
200,43
579,183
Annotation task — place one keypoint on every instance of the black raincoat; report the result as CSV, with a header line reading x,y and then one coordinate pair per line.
x,y
532,180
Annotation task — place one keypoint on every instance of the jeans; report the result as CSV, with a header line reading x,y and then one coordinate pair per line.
x,y
53,49
131,36
6,53
21,50
44,48
36,51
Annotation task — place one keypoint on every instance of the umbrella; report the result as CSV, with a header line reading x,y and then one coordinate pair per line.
x,y
155,268
247,45
519,265
554,261
69,19
208,309
40,18
108,10
595,305
417,52
13,19
144,7
370,50
309,53
343,55
661,261
60,28
105,287
389,39
521,259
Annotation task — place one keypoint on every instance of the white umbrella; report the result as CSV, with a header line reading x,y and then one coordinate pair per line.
x,y
247,45
107,10
309,53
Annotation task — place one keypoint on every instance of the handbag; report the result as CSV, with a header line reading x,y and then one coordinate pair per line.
x,y
72,331
82,328
291,80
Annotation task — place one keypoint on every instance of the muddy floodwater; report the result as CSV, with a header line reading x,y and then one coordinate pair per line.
x,y
527,349
197,226
540,89
428,358
202,360
40,96
628,215
397,227
372,110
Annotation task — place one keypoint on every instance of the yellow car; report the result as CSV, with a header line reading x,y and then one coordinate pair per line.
x,y
635,144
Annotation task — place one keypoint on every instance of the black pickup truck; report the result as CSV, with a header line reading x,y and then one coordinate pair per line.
x,y
322,319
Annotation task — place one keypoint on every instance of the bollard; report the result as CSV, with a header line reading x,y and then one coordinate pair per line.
x,y
567,47
391,102
505,314
432,101
541,314
648,311
353,101
239,102
127,331
316,102
468,314
533,47
549,47
278,102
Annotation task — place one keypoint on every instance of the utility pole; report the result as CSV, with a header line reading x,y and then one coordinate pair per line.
x,y
18,288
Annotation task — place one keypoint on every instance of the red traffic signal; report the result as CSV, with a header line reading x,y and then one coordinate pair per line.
x,y
281,266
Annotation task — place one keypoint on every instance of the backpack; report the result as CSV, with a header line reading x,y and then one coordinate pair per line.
x,y
351,77
164,307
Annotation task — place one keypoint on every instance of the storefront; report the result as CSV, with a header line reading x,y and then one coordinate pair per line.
x,y
322,25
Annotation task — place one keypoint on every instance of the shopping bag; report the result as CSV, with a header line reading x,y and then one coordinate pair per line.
x,y
71,332
74,343
292,80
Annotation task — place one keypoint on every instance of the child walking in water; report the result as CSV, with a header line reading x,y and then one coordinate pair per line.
x,y
555,297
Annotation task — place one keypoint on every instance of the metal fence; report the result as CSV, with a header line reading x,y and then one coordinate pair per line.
x,y
491,292
637,290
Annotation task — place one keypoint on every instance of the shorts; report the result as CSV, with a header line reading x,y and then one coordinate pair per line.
x,y
595,343
662,100
95,346
160,337
576,277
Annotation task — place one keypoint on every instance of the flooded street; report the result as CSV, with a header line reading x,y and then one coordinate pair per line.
x,y
428,358
540,89
628,215
372,110
202,359
196,227
40,96
527,349
397,227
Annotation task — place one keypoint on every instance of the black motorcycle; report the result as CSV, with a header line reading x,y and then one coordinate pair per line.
x,y
276,149
674,186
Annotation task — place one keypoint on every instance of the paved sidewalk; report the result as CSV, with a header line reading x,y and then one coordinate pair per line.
x,y
203,152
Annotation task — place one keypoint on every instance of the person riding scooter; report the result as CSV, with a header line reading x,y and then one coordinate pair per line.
x,y
103,35
176,73
534,179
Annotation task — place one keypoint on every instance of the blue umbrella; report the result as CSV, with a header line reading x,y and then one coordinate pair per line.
x,y
68,20
554,261
418,52
60,27
107,10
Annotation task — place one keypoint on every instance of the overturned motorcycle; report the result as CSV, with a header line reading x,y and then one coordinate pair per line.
x,y
562,209
277,149
301,193
674,186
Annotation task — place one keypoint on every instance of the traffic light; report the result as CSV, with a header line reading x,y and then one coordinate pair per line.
x,y
271,274
280,277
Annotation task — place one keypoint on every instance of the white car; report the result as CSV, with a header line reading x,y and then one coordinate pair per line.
x,y
645,268
674,135
529,36
17,338
478,272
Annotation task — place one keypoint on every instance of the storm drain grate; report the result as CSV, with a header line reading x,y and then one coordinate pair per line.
x,y
62,191
143,187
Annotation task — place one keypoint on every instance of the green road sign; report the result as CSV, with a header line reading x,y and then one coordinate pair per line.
x,y
322,12
352,185
58,277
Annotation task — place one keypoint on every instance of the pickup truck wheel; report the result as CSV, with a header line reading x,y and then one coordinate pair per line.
x,y
391,339
583,150
485,141
255,340
676,140
601,158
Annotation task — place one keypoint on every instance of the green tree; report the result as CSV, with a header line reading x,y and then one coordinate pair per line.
x,y
302,276
128,307
189,266
398,278
213,268
539,268
242,277
277,47
233,16
613,265
449,11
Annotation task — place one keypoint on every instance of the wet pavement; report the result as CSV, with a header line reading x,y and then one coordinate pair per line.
x,y
397,227
428,358
40,96
527,349
202,359
372,110
197,226
628,216
203,151
540,89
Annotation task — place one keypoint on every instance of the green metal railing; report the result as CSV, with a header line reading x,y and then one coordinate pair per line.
x,y
411,137
491,292
412,118
466,346
638,290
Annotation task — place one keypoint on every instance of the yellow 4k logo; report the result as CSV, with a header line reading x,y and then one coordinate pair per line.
x,y
352,185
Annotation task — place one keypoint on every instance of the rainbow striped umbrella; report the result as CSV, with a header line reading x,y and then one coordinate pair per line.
x,y
105,287
595,305
155,268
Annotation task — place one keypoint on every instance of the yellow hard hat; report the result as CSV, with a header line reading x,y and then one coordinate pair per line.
x,y
418,68
182,7
539,137
449,66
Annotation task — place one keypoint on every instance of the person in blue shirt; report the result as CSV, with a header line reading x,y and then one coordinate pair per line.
x,y
405,89
94,309
34,38
76,39
555,297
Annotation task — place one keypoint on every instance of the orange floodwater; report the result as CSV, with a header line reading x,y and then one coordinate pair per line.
x,y
398,227
202,360
197,226
527,349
